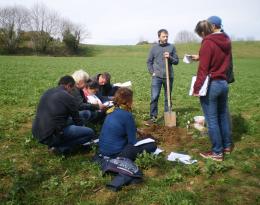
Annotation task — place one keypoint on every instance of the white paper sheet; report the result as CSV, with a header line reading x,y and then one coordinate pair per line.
x,y
127,84
92,142
204,88
187,59
144,141
108,103
184,158
158,151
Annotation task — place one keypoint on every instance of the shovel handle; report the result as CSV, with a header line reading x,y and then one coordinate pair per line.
x,y
168,84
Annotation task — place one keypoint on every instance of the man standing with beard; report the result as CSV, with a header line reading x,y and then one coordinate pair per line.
x,y
156,67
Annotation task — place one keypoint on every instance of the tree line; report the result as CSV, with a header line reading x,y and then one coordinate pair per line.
x,y
39,30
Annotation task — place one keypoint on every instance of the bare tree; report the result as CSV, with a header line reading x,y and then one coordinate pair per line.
x,y
45,26
72,34
185,37
13,20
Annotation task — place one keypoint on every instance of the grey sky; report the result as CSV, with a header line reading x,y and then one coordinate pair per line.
x,y
128,21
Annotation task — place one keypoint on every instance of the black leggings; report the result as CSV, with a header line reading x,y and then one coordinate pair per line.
x,y
130,151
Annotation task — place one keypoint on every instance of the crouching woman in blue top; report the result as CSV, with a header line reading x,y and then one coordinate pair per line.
x,y
118,133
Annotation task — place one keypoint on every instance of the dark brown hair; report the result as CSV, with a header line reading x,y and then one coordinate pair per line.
x,y
203,28
106,76
124,98
92,84
162,31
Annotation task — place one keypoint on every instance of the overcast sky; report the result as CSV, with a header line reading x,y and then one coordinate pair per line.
x,y
128,21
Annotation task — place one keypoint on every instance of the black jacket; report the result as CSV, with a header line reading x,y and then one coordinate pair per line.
x,y
55,107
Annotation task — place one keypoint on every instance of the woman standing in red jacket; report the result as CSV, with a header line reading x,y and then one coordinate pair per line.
x,y
214,60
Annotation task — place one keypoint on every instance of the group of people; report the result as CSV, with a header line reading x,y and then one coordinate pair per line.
x,y
64,112
215,61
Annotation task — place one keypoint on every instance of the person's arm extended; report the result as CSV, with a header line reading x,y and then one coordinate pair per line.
x,y
150,62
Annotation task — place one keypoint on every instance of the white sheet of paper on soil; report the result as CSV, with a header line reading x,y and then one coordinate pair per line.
x,y
184,158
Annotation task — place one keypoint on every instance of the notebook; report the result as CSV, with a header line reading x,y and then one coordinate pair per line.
x,y
204,88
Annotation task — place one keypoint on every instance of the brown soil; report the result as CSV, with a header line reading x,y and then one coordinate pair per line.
x,y
167,137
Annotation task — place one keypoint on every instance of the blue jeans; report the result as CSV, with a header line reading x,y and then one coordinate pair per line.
x,y
85,116
155,94
215,108
73,136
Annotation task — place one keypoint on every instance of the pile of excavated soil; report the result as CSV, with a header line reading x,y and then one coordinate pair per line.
x,y
166,136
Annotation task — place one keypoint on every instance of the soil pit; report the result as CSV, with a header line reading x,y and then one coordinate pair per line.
x,y
166,137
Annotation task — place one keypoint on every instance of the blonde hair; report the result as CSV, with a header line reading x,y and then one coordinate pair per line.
x,y
80,75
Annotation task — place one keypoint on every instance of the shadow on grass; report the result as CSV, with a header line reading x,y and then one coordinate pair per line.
x,y
239,127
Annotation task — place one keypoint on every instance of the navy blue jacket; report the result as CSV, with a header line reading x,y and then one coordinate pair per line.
x,y
118,130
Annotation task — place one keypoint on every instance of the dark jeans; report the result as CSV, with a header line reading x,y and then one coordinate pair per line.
x,y
215,108
71,137
88,116
155,94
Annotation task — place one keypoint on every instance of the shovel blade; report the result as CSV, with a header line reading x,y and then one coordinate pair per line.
x,y
170,119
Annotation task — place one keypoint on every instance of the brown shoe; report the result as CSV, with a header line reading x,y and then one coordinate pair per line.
x,y
212,155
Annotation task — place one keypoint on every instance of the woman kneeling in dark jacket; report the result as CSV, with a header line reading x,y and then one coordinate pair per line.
x,y
118,134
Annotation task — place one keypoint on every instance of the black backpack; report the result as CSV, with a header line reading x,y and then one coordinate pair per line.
x,y
230,72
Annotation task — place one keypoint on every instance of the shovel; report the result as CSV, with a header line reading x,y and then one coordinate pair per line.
x,y
169,116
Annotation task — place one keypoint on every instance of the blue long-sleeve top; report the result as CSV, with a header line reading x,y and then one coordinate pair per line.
x,y
118,130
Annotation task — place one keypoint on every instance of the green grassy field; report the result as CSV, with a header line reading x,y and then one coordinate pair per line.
x,y
31,175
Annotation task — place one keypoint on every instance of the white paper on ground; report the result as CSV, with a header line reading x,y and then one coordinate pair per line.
x,y
184,158
127,84
92,142
158,151
204,88
144,141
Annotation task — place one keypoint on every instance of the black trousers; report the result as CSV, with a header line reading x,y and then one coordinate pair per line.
x,y
130,151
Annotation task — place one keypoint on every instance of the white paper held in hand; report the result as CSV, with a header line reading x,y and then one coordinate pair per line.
x,y
204,88
187,59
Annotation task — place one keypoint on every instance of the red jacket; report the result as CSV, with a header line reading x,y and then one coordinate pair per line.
x,y
214,59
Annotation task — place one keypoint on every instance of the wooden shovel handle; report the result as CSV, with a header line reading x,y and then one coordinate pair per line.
x,y
168,84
